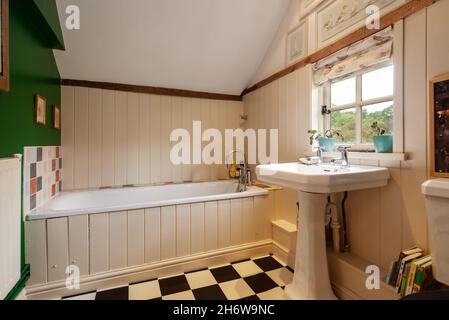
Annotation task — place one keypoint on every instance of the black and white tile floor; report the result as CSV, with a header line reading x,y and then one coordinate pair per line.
x,y
262,278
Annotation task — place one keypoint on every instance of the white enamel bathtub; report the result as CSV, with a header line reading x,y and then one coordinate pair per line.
x,y
120,199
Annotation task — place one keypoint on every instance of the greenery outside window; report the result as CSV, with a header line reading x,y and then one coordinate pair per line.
x,y
358,101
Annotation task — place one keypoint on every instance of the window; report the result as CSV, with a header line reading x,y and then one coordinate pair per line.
x,y
355,103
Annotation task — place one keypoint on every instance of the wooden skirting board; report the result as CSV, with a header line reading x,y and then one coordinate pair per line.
x,y
388,20
150,90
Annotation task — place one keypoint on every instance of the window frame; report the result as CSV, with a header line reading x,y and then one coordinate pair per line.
x,y
357,105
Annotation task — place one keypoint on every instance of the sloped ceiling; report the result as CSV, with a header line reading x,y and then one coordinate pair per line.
x,y
201,45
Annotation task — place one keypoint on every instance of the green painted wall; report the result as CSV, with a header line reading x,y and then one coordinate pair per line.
x,y
33,30
54,37
32,70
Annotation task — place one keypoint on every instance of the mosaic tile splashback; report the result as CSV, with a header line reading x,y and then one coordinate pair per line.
x,y
41,176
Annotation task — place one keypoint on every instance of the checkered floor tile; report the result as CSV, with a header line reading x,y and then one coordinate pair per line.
x,y
262,278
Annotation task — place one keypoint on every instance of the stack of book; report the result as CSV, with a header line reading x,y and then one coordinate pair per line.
x,y
411,272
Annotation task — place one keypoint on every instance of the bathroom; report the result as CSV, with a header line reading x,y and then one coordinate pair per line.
x,y
168,150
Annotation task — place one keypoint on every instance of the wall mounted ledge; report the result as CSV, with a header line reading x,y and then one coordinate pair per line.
x,y
365,156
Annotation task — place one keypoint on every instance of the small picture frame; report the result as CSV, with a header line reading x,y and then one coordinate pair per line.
x,y
439,126
308,6
56,117
296,44
40,107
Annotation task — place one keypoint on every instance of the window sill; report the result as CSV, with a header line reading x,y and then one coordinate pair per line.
x,y
365,156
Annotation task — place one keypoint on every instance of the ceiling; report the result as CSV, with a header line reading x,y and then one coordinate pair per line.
x,y
201,45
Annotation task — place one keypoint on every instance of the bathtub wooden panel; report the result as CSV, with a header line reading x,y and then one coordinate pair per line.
x,y
264,214
58,248
183,230
108,138
79,243
132,172
36,248
136,237
111,241
152,235
211,225
99,242
236,222
118,236
197,226
95,136
224,223
168,232
248,220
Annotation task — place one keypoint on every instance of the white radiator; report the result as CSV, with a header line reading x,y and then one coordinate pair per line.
x,y
10,194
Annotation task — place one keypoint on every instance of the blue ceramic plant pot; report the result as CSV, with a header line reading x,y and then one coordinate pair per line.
x,y
383,144
328,144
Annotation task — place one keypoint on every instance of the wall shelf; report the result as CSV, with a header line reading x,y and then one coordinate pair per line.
x,y
365,156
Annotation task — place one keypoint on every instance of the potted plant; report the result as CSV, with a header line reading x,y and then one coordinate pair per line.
x,y
383,142
327,140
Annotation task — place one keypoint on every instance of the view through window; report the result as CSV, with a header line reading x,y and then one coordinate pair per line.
x,y
359,101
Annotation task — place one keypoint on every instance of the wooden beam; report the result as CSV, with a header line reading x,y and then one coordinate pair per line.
x,y
387,20
4,46
150,90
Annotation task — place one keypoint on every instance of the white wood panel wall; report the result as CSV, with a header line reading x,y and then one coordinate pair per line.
x,y
102,242
381,221
118,138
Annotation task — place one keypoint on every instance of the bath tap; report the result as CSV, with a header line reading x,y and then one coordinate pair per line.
x,y
344,157
245,173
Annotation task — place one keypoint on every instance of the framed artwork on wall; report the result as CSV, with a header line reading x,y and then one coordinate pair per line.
x,y
40,107
56,117
4,45
439,126
296,44
337,19
308,6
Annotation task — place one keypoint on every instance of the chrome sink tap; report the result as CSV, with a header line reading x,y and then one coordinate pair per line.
x,y
244,172
344,157
319,153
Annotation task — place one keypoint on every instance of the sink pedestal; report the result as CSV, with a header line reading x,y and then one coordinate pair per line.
x,y
311,279
315,183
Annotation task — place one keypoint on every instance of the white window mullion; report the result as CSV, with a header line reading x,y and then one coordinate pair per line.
x,y
358,115
327,99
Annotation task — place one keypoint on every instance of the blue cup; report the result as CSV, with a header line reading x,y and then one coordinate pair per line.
x,y
383,144
328,144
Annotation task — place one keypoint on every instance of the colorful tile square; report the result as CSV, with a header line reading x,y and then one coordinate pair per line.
x,y
33,186
42,178
33,170
39,154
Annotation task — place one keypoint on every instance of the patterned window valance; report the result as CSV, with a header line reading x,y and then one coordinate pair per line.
x,y
366,53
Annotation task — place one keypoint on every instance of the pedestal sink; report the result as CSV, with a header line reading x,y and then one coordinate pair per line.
x,y
314,184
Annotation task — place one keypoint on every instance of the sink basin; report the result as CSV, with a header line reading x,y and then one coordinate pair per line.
x,y
323,178
314,183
